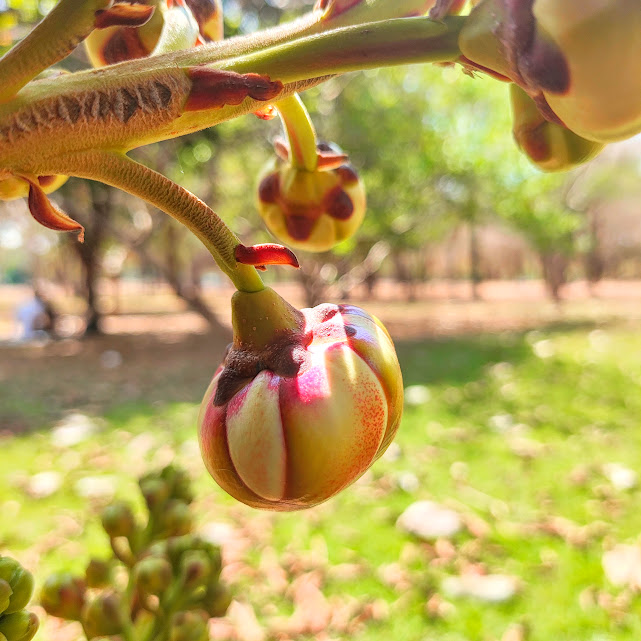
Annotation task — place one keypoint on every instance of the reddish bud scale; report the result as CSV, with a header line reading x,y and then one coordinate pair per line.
x,y
214,88
288,442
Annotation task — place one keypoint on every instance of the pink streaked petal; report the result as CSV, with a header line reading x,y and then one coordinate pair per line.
x,y
255,437
335,416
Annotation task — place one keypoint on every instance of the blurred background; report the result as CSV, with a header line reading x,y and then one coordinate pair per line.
x,y
514,300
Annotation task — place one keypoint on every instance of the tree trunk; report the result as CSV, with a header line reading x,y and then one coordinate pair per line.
x,y
475,259
555,266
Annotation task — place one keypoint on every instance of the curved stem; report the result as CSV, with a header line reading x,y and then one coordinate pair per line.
x,y
118,170
300,132
55,37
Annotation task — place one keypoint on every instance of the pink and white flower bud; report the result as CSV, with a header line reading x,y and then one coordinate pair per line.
x,y
294,417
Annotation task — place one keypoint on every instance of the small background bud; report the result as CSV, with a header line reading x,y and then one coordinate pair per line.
x,y
19,626
189,626
20,581
102,616
5,595
98,573
63,595
153,575
118,520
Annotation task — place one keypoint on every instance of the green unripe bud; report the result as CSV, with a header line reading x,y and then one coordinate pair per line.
x,y
177,519
101,616
118,520
98,573
189,626
177,546
155,491
63,595
550,146
19,626
5,595
179,483
216,600
20,581
153,575
195,568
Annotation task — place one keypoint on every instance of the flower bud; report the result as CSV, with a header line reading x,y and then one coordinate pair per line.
x,y
311,210
601,44
324,405
179,483
189,626
98,573
195,569
19,626
155,491
178,546
63,595
101,616
118,520
216,600
20,581
177,519
581,57
5,595
153,575
550,146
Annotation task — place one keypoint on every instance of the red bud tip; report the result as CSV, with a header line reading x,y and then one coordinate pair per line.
x,y
214,88
266,113
267,254
47,214
123,15
328,160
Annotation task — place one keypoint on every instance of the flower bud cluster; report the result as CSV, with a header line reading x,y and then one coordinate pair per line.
x,y
174,575
16,588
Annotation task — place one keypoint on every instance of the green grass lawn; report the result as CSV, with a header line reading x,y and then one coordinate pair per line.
x,y
515,434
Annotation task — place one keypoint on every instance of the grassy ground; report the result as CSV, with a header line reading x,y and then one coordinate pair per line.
x,y
514,431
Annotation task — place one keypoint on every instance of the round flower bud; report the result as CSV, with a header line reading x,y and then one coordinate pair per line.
x,y
195,568
118,520
19,626
602,47
177,519
153,575
216,600
190,625
179,483
324,405
550,146
5,595
101,616
155,491
311,210
63,595
98,573
20,581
